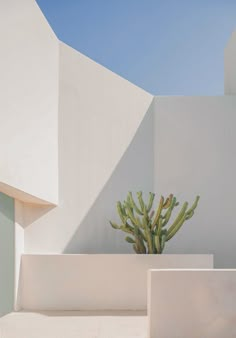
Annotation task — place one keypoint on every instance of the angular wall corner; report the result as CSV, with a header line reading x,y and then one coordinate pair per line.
x,y
29,70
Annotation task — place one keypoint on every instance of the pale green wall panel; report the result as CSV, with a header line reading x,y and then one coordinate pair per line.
x,y
6,254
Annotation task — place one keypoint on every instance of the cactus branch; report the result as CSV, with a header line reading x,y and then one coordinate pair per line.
x,y
141,202
133,204
150,203
159,210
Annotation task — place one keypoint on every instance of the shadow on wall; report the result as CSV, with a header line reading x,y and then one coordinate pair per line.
x,y
36,211
6,254
17,306
134,172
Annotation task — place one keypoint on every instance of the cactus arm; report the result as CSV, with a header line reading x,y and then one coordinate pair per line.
x,y
150,203
135,248
158,214
189,215
157,244
176,229
146,218
157,236
114,225
179,217
142,234
139,232
127,228
193,207
169,211
147,231
139,223
133,204
168,201
135,222
149,240
121,212
190,212
159,228
129,240
140,199
163,241
139,240
130,213
140,245
154,244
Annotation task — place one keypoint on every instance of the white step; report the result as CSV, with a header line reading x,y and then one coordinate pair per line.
x,y
74,325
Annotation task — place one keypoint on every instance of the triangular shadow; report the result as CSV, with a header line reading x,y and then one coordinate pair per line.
x,y
134,172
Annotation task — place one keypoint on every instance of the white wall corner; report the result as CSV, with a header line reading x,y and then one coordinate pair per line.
x,y
99,115
29,70
194,145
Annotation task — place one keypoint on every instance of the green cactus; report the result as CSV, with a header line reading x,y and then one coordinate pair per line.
x,y
148,230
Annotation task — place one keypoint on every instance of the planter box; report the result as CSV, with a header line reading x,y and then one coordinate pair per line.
x,y
94,282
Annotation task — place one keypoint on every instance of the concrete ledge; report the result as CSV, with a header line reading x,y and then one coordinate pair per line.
x,y
192,303
74,324
94,282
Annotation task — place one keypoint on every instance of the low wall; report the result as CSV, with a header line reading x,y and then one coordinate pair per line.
x,y
94,282
192,303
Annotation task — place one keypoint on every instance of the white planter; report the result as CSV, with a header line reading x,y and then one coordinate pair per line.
x,y
94,282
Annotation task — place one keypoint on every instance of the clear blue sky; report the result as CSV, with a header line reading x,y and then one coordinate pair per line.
x,y
168,47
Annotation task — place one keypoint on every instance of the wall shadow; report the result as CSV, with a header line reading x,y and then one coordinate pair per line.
x,y
94,313
6,254
26,214
134,172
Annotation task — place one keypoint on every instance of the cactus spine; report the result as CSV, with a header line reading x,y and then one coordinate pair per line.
x,y
147,229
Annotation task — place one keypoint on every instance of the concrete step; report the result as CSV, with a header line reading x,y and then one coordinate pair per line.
x,y
74,324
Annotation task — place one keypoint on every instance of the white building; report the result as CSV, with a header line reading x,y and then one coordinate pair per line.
x,y
75,137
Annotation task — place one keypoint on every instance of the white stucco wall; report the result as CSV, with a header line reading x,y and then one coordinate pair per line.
x,y
99,114
28,104
194,150
230,65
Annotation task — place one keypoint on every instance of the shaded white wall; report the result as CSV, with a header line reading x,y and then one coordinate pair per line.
x,y
230,65
99,114
194,150
28,104
134,172
6,254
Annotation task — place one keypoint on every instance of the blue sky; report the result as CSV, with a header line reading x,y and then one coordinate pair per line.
x,y
167,47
